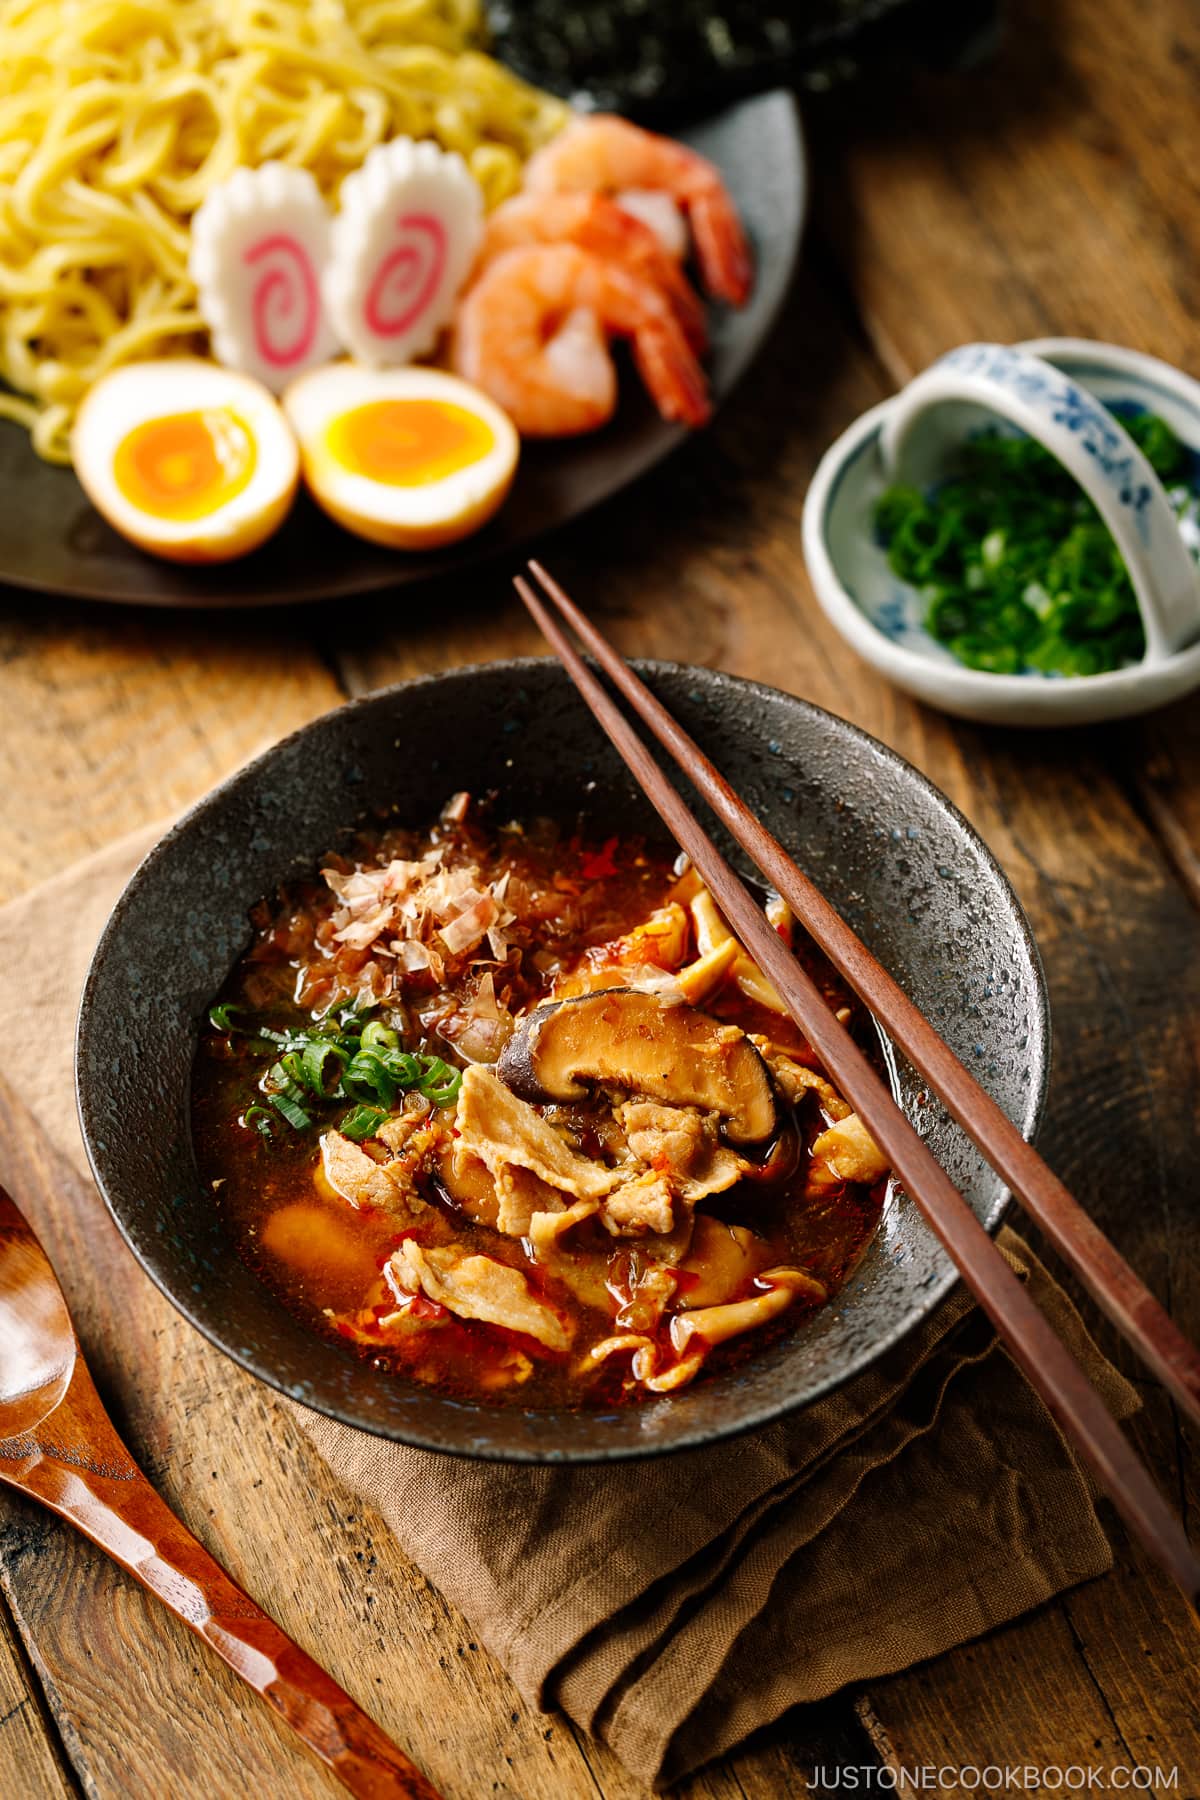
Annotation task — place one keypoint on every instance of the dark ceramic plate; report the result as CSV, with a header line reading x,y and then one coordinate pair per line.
x,y
889,850
52,539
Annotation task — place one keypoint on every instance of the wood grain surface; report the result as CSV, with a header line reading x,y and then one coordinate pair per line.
x,y
1055,190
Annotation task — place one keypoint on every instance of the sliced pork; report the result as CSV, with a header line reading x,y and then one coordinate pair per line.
x,y
362,1181
477,1287
502,1131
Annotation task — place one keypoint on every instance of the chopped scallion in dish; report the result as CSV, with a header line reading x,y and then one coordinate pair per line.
x,y
348,1054
1016,567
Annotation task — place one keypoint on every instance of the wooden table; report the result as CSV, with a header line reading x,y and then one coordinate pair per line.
x,y
1058,190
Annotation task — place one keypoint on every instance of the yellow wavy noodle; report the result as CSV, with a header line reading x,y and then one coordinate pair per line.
x,y
117,117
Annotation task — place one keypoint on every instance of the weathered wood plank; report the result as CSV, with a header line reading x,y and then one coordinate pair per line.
x,y
1162,774
28,1750
1052,190
113,718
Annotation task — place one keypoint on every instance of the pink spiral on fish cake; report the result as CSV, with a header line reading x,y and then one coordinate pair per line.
x,y
286,302
417,263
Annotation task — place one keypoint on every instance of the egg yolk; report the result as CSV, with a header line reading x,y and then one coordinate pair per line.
x,y
408,443
185,465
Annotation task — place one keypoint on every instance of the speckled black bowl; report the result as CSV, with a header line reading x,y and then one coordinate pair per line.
x,y
891,852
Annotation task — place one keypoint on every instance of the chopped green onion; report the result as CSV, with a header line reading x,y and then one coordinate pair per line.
x,y
315,1062
342,1056
363,1122
222,1018
285,1093
368,1078
350,1019
275,1037
1015,566
259,1117
295,1114
378,1036
405,1067
440,1082
1158,444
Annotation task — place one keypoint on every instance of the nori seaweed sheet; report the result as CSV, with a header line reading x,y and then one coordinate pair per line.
x,y
655,58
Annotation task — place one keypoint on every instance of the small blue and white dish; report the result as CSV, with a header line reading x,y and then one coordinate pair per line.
x,y
1069,393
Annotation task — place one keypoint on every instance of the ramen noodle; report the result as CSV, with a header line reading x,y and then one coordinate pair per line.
x,y
118,117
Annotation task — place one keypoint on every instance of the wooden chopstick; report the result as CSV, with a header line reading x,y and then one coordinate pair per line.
x,y
1114,1286
1045,1361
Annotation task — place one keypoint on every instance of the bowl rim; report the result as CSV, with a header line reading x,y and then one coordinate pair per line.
x,y
1039,699
1039,1056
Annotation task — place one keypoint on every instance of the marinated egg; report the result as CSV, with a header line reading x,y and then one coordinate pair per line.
x,y
186,459
409,457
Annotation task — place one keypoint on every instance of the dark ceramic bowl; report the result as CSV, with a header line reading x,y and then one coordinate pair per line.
x,y
897,859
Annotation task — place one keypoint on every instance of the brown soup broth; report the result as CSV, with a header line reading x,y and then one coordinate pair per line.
x,y
574,895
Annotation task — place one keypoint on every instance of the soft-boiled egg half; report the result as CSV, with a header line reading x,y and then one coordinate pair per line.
x,y
409,457
188,460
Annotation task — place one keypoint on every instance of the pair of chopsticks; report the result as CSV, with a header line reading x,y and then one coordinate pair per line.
x,y
1045,1361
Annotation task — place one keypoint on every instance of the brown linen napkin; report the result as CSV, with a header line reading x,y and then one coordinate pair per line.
x,y
671,1607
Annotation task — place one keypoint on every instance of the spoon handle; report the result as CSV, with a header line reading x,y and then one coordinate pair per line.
x,y
77,1466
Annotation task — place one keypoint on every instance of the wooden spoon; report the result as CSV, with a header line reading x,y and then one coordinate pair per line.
x,y
58,1444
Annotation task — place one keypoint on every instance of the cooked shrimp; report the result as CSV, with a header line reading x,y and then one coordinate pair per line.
x,y
595,223
532,332
604,154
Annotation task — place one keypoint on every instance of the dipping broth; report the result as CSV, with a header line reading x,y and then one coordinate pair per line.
x,y
505,1108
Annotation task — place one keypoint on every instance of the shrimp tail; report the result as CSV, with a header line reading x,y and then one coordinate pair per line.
x,y
671,373
619,234
721,247
686,304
